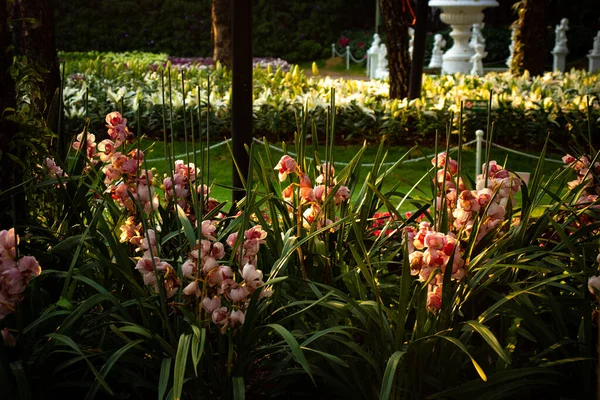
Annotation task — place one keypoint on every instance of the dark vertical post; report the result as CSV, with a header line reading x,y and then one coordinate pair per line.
x,y
416,67
377,18
241,102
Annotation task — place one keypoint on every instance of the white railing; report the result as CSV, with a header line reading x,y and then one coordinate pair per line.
x,y
479,141
478,155
347,55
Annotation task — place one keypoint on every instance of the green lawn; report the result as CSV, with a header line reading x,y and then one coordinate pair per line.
x,y
407,174
336,67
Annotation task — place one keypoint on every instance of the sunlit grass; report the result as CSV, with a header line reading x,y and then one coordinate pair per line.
x,y
220,169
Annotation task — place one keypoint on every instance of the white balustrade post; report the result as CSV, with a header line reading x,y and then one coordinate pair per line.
x,y
332,50
479,137
560,50
594,55
347,58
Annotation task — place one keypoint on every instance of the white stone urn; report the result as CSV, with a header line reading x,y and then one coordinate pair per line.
x,y
460,15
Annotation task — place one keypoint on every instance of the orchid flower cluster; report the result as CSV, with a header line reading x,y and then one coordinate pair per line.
x,y
106,150
488,202
315,196
180,188
205,276
123,174
15,273
430,250
224,299
585,173
150,264
54,171
390,222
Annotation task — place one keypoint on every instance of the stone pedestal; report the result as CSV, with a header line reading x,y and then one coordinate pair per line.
x,y
594,62
460,15
372,64
560,50
559,62
436,61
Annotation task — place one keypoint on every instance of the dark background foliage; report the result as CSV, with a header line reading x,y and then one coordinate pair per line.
x,y
290,29
293,30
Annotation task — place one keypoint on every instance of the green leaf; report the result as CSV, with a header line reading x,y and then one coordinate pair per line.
x,y
180,362
502,384
163,381
49,314
489,337
566,361
64,303
461,346
187,227
108,366
22,382
239,389
197,346
294,347
388,377
405,285
70,343
328,356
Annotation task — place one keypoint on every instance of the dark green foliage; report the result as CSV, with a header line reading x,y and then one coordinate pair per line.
x,y
177,26
288,29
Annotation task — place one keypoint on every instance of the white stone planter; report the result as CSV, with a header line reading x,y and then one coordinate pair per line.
x,y
460,15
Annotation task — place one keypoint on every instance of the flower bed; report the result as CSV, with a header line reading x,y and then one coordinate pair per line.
x,y
524,108
144,285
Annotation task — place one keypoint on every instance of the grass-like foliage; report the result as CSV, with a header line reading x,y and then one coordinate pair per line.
x,y
315,284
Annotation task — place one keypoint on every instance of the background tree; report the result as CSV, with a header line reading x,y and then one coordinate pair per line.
x,y
418,59
40,49
221,29
7,100
397,16
531,43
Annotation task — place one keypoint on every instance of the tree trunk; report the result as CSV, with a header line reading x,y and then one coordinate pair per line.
x,y
221,26
396,20
531,50
40,49
416,66
241,94
7,100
